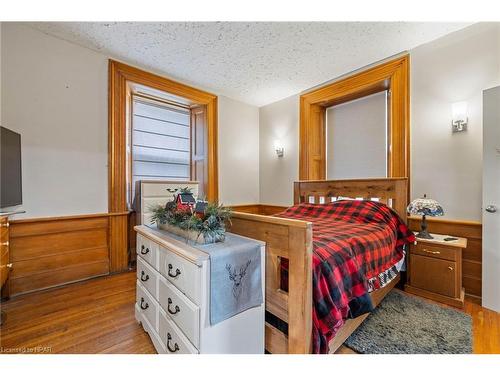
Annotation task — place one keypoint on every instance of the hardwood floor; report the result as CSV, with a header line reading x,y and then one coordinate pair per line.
x,y
97,316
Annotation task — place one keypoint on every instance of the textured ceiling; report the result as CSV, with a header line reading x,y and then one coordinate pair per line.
x,y
257,63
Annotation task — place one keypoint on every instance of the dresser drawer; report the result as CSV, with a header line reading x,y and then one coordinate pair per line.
x,y
185,275
147,250
148,277
172,337
435,251
181,310
434,275
147,305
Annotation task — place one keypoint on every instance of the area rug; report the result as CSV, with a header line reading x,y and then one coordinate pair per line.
x,y
403,324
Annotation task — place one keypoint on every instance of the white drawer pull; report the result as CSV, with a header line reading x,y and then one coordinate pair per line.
x,y
177,309
6,243
431,252
176,347
450,268
177,271
5,225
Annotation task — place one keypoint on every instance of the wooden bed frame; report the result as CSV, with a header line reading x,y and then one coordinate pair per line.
x,y
292,239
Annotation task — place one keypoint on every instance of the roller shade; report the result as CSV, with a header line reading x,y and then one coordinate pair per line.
x,y
160,141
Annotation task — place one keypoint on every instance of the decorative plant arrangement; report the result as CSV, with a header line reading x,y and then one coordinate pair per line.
x,y
193,219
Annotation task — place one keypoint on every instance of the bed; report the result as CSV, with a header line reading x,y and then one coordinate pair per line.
x,y
290,242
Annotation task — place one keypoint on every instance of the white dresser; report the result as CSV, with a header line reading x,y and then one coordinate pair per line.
x,y
173,300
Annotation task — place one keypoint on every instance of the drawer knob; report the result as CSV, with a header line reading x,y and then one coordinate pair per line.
x,y
6,243
144,277
450,268
5,225
144,306
176,347
144,250
431,252
173,312
177,271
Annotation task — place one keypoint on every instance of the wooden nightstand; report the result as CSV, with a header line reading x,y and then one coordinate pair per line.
x,y
435,269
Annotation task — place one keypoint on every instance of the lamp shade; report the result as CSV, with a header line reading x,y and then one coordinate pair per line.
x,y
425,206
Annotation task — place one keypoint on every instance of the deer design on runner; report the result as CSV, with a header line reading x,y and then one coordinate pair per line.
x,y
237,278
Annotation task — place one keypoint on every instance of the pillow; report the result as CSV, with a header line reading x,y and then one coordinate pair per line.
x,y
355,199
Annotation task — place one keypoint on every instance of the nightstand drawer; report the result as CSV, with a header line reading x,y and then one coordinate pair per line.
x,y
434,275
435,251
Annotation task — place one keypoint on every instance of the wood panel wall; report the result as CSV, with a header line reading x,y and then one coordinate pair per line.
x,y
54,251
472,255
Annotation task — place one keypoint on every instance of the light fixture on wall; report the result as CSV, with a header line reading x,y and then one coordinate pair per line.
x,y
278,147
459,117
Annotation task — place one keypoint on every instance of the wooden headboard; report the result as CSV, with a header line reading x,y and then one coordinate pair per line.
x,y
391,191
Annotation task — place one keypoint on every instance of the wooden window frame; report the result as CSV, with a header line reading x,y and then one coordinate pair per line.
x,y
121,76
392,76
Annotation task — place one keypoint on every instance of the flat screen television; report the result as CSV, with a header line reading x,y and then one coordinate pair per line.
x,y
10,168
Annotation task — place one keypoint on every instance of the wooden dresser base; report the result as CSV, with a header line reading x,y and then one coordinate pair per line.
x,y
455,302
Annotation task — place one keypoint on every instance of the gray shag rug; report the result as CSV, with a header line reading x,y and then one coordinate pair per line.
x,y
404,324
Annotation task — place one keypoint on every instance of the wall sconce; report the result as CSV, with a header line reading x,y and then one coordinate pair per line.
x,y
459,117
278,147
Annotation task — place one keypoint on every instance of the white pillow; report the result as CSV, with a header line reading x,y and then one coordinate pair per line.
x,y
341,198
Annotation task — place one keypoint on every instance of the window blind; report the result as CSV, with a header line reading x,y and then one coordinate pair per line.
x,y
160,141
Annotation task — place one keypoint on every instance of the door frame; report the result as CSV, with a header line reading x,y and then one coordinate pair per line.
x,y
121,76
393,76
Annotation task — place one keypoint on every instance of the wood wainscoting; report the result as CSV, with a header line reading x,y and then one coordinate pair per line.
x,y
48,252
471,256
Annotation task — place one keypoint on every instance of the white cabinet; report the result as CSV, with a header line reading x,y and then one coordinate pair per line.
x,y
173,300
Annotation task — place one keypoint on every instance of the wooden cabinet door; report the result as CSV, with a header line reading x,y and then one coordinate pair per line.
x,y
434,275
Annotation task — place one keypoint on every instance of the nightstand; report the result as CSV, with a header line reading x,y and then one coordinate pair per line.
x,y
435,269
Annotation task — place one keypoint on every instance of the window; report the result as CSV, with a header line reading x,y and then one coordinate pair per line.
x,y
124,80
160,141
361,122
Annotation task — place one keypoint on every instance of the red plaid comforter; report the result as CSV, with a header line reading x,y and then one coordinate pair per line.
x,y
353,242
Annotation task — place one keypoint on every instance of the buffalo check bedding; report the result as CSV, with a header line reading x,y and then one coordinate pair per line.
x,y
354,243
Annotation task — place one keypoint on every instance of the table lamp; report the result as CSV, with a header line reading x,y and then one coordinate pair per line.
x,y
425,207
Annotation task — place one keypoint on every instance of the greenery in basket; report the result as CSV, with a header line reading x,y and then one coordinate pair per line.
x,y
211,224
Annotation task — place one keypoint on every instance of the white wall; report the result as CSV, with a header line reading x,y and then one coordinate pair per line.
x,y
55,95
356,138
279,121
57,99
238,152
446,166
